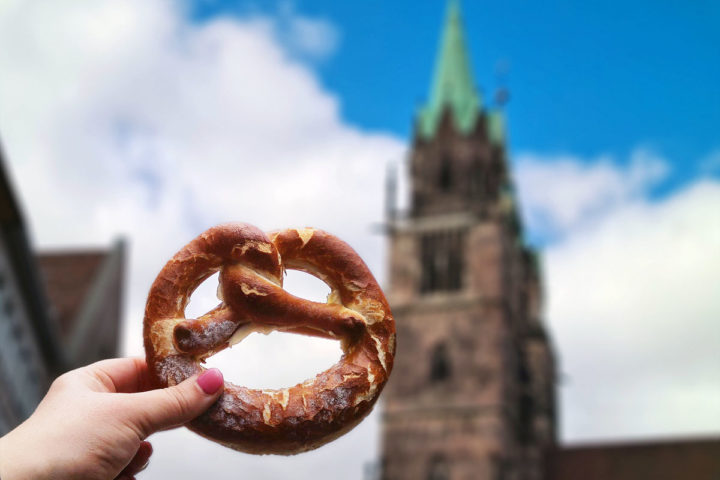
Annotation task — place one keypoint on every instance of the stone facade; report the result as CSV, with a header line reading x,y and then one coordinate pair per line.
x,y
471,395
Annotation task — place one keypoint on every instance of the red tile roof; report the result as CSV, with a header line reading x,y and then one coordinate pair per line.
x,y
68,277
663,460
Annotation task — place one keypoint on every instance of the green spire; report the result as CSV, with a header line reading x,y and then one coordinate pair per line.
x,y
453,84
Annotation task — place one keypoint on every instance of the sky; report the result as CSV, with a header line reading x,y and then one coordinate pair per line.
x,y
155,119
584,77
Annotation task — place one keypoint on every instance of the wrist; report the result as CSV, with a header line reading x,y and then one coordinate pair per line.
x,y
16,462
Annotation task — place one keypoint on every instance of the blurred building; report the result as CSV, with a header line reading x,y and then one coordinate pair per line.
x,y
697,459
84,289
472,392
472,395
57,311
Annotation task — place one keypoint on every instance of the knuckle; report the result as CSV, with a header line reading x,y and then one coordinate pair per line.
x,y
179,402
60,382
143,426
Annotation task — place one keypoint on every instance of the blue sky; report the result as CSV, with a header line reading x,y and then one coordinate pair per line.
x,y
589,78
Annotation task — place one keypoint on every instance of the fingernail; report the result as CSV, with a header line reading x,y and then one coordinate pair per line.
x,y
210,380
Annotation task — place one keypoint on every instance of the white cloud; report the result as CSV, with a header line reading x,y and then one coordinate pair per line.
x,y
561,192
632,297
312,38
120,118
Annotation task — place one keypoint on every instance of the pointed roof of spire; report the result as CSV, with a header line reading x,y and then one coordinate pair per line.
x,y
453,84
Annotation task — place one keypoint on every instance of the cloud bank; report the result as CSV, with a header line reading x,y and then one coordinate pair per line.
x,y
631,290
563,193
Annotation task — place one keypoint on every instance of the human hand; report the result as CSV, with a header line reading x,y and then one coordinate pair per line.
x,y
93,422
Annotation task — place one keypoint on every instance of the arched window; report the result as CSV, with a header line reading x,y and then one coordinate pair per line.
x,y
439,364
493,178
438,468
524,428
445,179
476,179
442,261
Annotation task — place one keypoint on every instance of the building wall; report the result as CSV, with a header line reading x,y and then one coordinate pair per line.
x,y
94,332
481,417
691,459
91,330
23,373
33,347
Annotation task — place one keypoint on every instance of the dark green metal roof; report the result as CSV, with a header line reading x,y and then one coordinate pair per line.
x,y
453,84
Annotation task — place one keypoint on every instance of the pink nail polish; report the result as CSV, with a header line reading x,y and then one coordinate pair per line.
x,y
210,380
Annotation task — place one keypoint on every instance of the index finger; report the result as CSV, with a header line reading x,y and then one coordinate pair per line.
x,y
121,375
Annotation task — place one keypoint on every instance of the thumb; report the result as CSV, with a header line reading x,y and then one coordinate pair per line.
x,y
173,406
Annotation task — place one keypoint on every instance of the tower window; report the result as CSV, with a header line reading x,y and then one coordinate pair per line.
x,y
438,468
439,364
524,430
476,178
445,179
442,258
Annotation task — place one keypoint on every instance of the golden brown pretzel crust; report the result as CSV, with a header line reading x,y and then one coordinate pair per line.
x,y
251,264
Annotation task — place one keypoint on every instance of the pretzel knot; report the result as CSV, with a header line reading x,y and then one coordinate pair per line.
x,y
251,266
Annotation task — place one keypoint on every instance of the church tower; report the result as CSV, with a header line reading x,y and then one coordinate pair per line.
x,y
472,392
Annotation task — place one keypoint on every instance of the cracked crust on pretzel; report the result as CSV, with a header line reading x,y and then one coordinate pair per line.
x,y
251,264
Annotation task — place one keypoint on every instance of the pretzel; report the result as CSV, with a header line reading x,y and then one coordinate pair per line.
x,y
251,265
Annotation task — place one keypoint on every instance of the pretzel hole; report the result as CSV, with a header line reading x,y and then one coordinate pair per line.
x,y
204,298
305,285
276,360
